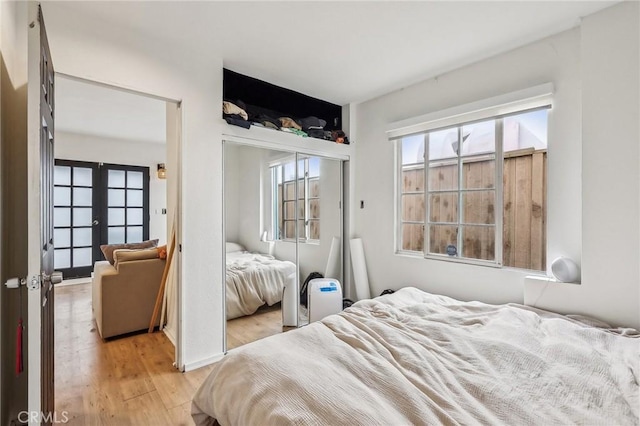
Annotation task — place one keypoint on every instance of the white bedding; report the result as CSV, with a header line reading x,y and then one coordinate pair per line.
x,y
254,279
416,358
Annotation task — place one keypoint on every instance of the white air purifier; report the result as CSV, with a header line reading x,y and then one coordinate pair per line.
x,y
324,298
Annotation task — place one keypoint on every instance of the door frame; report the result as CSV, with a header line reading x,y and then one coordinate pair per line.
x,y
175,113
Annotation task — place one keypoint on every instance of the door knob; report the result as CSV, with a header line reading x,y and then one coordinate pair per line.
x,y
95,222
54,278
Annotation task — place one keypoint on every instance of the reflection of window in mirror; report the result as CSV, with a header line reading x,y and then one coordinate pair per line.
x,y
283,200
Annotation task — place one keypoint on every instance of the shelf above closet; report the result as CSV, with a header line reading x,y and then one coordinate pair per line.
x,y
275,139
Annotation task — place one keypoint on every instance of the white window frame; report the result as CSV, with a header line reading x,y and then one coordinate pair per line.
x,y
275,208
535,98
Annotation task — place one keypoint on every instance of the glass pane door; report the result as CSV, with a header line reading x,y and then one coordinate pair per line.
x,y
75,218
125,204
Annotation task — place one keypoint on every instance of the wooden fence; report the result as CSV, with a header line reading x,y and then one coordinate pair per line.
x,y
524,209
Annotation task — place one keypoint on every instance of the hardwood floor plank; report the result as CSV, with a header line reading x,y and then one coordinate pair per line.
x,y
129,380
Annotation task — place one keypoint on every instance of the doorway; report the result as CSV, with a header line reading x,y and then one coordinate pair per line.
x,y
116,180
96,204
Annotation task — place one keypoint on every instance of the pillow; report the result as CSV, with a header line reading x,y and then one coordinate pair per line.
x,y
127,255
231,247
162,251
107,249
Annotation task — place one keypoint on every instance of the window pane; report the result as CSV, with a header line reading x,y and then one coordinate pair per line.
x,y
61,238
116,197
314,167
289,191
134,216
116,179
82,197
301,207
134,234
443,144
289,230
82,237
62,175
412,237
289,171
301,171
443,175
314,229
290,210
301,229
443,207
413,149
479,207
278,171
82,217
61,196
116,217
82,257
413,207
314,209
134,198
524,210
478,242
82,176
413,179
478,138
61,216
62,259
479,172
528,130
134,180
301,189
314,188
441,237
116,235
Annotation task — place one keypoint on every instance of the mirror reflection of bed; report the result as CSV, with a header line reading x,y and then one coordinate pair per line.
x,y
280,225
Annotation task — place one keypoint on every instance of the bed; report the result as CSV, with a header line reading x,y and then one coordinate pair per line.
x,y
416,358
254,279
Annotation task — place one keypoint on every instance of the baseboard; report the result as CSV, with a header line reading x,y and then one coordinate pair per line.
x,y
169,335
74,281
203,362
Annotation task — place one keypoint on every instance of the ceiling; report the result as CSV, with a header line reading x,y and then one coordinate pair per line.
x,y
91,109
342,52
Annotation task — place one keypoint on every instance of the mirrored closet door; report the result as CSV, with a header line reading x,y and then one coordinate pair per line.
x,y
282,220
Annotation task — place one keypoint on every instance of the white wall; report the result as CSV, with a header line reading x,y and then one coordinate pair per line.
x,y
610,184
232,165
73,146
98,51
590,77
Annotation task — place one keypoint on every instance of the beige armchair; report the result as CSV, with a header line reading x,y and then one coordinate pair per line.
x,y
124,295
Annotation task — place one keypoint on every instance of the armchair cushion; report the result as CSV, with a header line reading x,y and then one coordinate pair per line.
x,y
126,255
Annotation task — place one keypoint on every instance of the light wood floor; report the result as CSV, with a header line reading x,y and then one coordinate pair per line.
x,y
129,380
267,321
124,381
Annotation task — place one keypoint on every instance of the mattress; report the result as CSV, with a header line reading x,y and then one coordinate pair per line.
x,y
254,279
416,358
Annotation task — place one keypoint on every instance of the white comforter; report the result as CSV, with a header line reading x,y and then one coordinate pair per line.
x,y
254,279
416,358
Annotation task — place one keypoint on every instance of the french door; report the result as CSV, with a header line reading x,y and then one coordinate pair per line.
x,y
96,204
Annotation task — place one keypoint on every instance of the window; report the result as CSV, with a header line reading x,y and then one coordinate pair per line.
x,y
449,191
284,199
